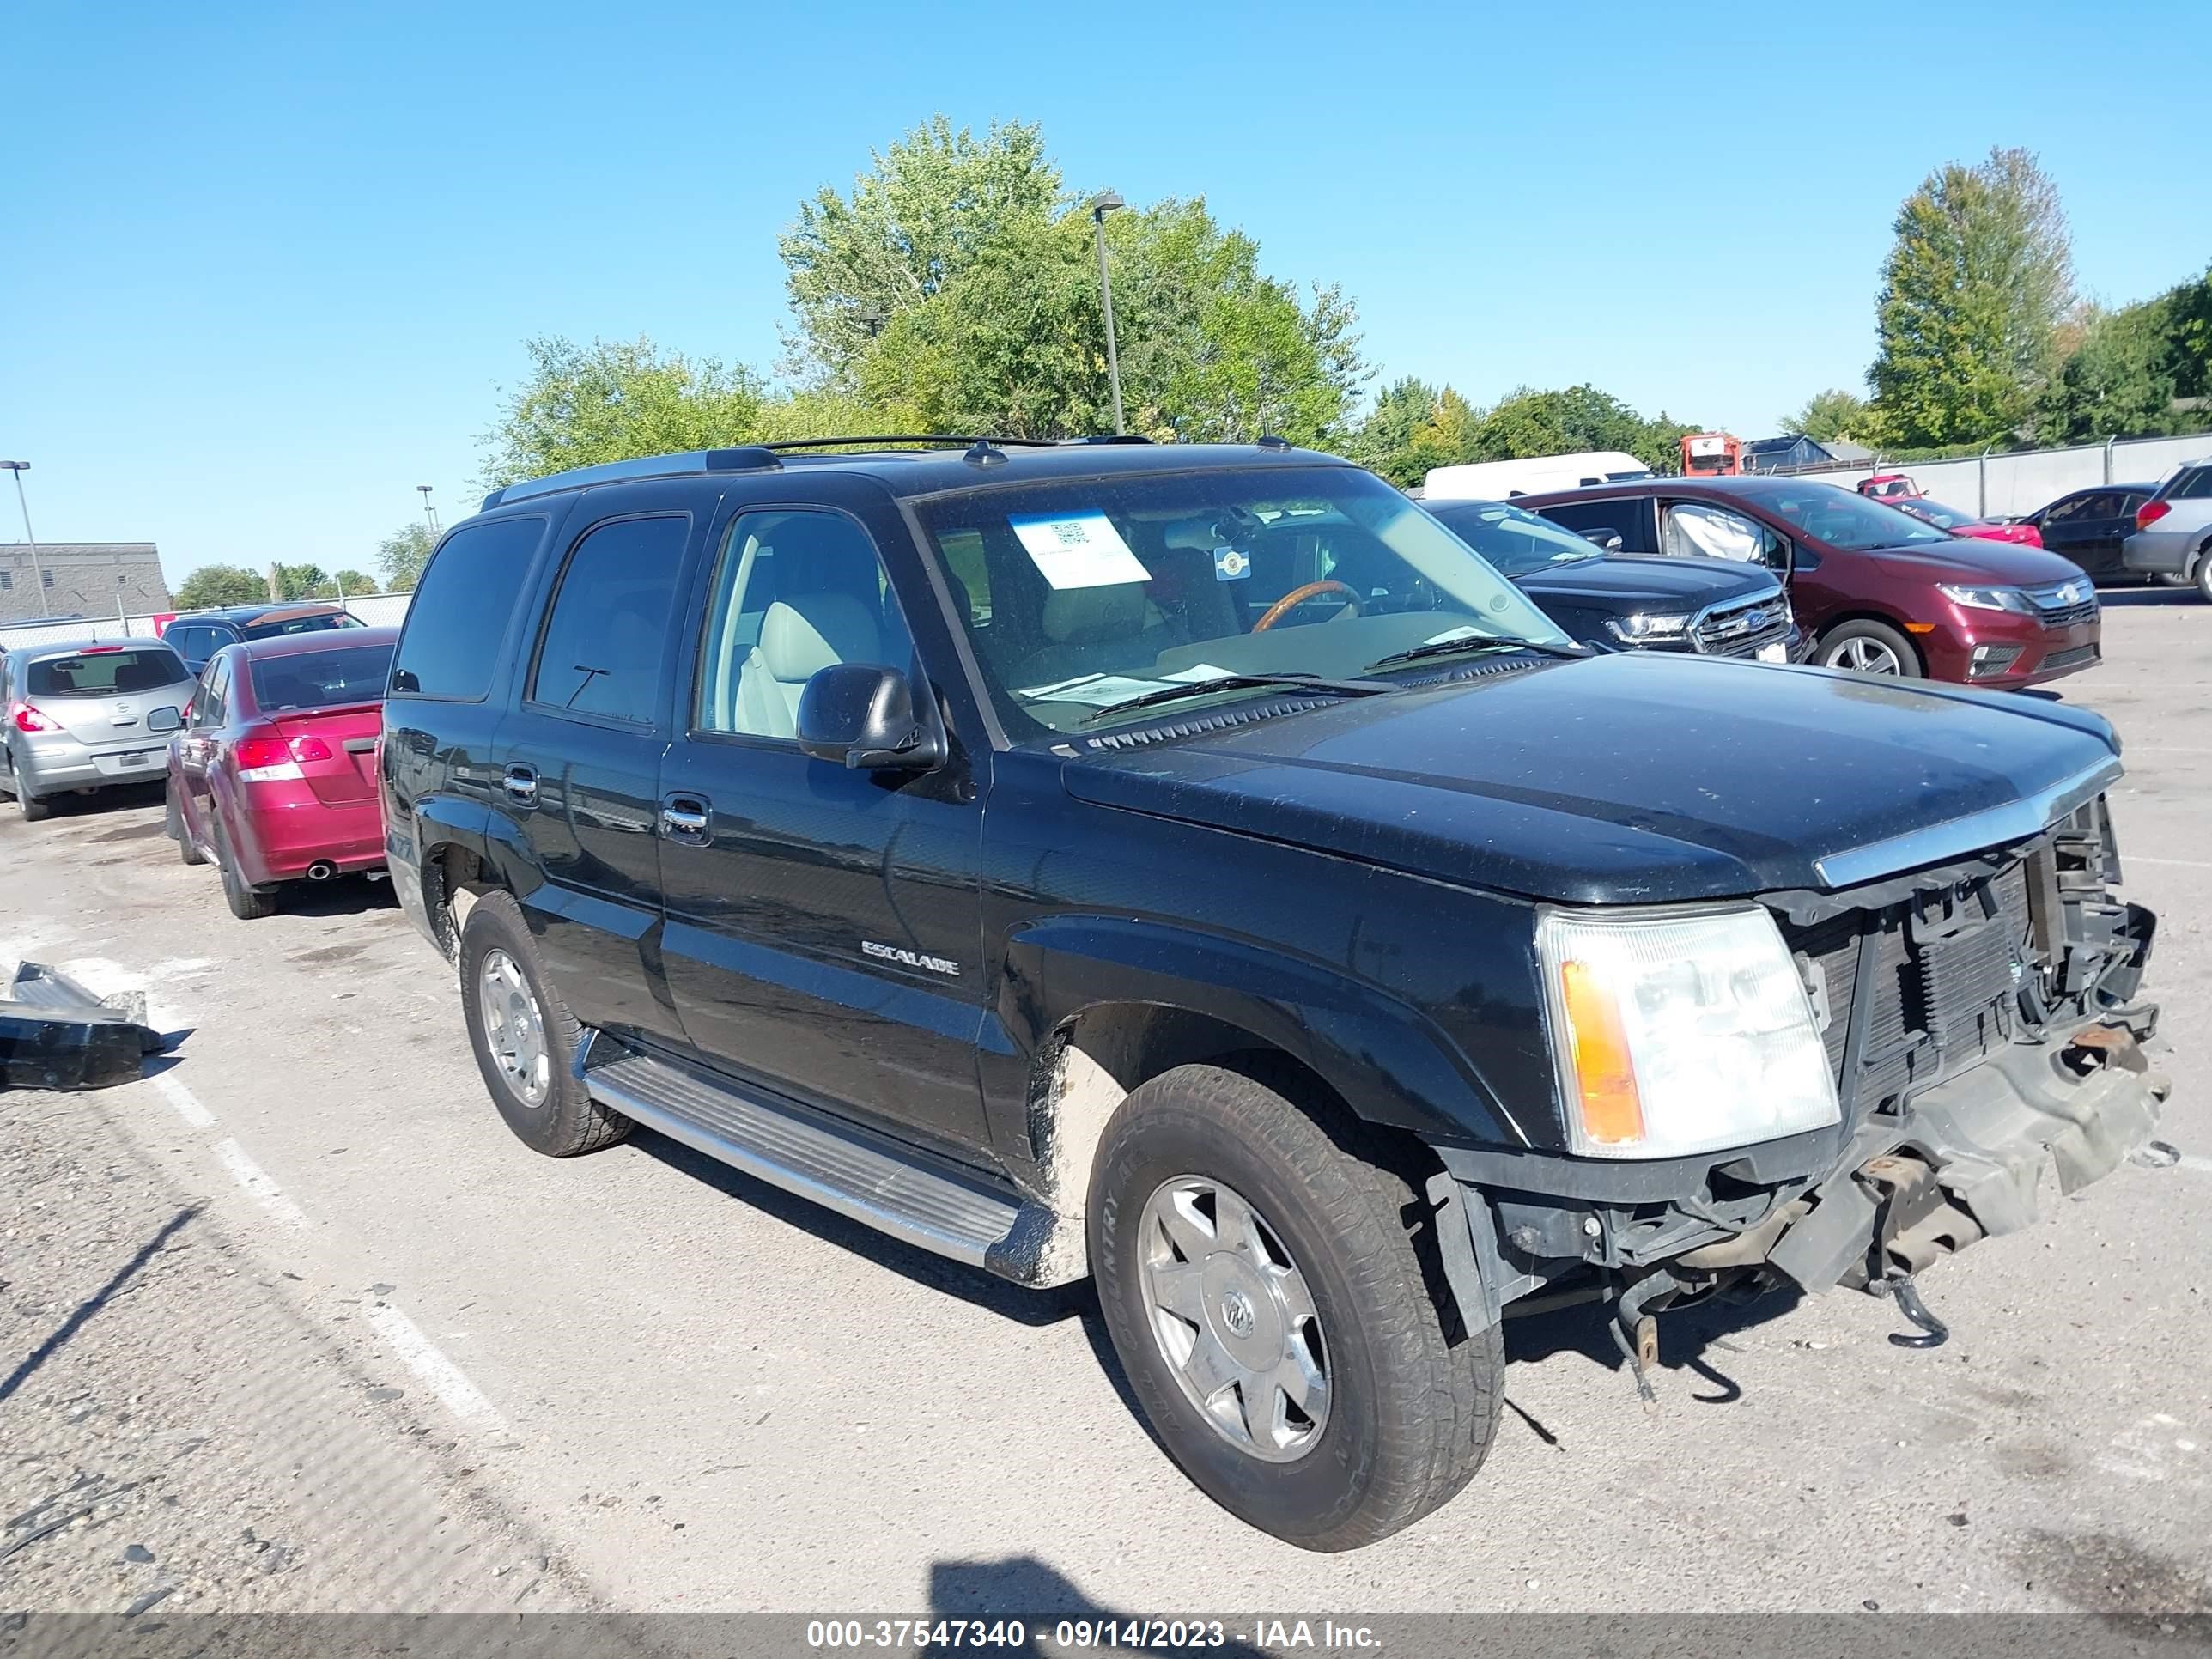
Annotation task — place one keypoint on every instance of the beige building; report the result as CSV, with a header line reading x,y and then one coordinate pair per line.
x,y
85,578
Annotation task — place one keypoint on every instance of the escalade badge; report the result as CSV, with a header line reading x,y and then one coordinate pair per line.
x,y
906,958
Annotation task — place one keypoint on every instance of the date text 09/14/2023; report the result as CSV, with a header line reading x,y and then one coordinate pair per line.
x,y
1080,1635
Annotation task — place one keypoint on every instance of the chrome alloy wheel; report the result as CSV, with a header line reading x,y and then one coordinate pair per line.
x,y
514,1028
1865,656
1234,1319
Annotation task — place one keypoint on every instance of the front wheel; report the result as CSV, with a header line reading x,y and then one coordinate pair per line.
x,y
1275,1318
1869,648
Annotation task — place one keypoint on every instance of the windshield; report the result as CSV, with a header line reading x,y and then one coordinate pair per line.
x,y
1513,541
105,671
1934,512
314,622
321,679
1843,519
1081,595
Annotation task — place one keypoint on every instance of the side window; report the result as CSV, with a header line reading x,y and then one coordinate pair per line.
x,y
2127,504
794,592
461,610
209,701
2094,506
608,633
1624,517
2194,485
1696,529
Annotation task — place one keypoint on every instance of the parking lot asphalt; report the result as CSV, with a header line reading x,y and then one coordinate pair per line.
x,y
442,1372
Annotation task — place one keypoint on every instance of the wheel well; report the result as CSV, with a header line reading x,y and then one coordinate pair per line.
x,y
1094,1059
451,876
1888,622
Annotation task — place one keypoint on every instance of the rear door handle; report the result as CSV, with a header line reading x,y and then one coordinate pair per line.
x,y
686,818
521,783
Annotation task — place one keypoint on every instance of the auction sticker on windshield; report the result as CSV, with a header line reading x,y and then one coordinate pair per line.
x,y
1077,549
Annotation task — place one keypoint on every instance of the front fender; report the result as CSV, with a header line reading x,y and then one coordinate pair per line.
x,y
1388,1063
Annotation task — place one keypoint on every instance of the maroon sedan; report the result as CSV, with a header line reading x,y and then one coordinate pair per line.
x,y
274,775
1875,589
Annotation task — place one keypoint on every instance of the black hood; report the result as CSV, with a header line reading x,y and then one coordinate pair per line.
x,y
1635,777
1623,585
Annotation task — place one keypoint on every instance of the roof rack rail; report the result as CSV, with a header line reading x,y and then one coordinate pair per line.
x,y
744,457
935,440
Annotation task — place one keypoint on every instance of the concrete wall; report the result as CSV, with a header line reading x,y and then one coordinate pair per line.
x,y
376,609
87,578
2006,486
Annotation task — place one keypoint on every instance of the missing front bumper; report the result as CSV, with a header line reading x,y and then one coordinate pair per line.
x,y
1970,1157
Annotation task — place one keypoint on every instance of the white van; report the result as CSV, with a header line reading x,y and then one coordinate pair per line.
x,y
1495,481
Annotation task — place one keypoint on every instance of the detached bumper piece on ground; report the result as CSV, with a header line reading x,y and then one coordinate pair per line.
x,y
54,1033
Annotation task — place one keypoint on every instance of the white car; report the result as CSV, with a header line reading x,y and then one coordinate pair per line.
x,y
2173,528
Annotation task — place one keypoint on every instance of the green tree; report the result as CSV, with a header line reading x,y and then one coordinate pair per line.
x,y
214,585
1973,291
2118,380
927,208
1530,422
1832,414
302,581
1415,425
351,583
1211,348
402,555
581,405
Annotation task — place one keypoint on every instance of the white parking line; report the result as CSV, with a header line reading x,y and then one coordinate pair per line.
x,y
188,1103
2192,1162
444,1378
2179,863
258,1186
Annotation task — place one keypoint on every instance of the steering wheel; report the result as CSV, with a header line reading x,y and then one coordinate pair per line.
x,y
1298,596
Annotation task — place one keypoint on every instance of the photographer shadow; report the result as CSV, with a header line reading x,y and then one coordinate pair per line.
x,y
1024,1588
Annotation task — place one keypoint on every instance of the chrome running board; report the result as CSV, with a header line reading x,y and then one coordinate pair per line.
x,y
842,1168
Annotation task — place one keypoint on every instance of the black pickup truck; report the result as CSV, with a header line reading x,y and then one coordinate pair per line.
x,y
1195,868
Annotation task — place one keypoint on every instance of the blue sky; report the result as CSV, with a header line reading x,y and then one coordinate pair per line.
x,y
266,271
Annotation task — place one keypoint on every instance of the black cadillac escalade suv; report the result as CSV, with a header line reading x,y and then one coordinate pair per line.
x,y
1195,868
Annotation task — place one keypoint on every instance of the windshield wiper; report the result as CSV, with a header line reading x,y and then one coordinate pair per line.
x,y
1232,682
1428,648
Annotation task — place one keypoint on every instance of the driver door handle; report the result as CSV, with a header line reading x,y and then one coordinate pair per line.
x,y
520,782
686,818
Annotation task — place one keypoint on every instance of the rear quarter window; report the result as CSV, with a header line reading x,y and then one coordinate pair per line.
x,y
459,616
105,673
2194,485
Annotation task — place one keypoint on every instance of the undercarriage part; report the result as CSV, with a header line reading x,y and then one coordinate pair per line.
x,y
54,1033
1934,1333
1636,1333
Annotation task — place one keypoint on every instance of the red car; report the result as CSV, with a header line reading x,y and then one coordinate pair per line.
x,y
1966,524
1888,486
274,775
1875,589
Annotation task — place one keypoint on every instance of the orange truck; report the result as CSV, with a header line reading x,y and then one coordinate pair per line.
x,y
1712,455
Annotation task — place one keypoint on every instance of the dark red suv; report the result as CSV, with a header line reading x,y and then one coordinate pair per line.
x,y
1875,589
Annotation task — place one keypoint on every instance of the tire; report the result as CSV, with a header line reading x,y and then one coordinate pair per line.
x,y
1408,1415
181,832
28,806
1861,646
562,1120
248,904
2202,575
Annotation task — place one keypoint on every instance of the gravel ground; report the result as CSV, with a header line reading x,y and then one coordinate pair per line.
x,y
300,1321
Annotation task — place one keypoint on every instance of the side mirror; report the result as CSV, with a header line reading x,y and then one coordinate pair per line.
x,y
162,721
1601,537
862,716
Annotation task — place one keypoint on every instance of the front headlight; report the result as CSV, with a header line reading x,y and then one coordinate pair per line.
x,y
1646,628
1679,1033
1987,598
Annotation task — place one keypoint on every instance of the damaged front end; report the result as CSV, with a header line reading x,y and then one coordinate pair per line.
x,y
55,1033
1984,1022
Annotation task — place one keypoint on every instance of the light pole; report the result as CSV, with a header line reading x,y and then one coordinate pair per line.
x,y
37,573
1102,205
428,511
